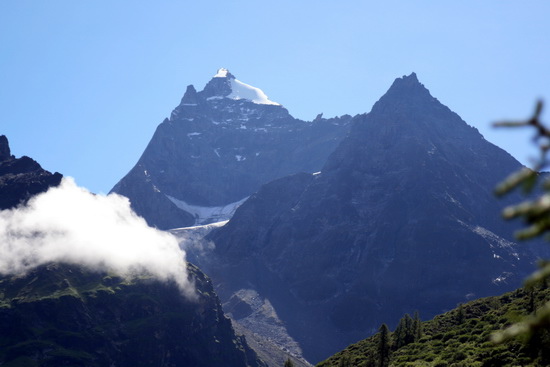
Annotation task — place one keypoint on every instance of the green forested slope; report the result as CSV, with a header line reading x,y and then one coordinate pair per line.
x,y
460,337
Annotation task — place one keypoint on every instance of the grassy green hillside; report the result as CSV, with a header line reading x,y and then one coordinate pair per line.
x,y
461,338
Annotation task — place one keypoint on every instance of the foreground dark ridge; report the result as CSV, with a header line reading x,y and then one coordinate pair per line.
x,y
59,315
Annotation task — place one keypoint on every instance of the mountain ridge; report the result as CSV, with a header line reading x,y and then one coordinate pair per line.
x,y
218,148
402,208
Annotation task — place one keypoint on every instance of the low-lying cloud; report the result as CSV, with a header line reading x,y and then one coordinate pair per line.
x,y
69,224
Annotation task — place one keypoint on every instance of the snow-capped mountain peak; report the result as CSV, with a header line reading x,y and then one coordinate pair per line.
x,y
223,73
240,90
225,85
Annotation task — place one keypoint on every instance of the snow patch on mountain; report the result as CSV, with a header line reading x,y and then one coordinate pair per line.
x,y
494,241
207,214
502,278
240,90
222,73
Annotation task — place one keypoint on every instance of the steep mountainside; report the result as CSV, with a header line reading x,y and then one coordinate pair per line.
x,y
401,218
59,315
461,337
218,147
21,178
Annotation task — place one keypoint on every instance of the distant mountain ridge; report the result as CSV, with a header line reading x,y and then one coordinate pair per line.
x,y
217,148
401,217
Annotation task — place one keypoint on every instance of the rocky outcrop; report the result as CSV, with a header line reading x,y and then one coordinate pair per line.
x,y
401,218
59,315
217,148
21,178
4,148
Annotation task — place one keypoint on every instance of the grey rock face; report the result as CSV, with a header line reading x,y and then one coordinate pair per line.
x,y
219,86
21,178
401,218
217,149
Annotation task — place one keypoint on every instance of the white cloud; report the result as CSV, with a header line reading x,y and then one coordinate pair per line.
x,y
69,224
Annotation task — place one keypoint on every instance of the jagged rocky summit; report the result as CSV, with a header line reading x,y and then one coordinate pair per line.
x,y
21,178
402,217
217,148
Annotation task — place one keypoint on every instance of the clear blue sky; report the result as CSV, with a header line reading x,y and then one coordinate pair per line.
x,y
83,84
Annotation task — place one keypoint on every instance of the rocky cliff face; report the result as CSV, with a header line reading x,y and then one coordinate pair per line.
x,y
217,148
59,315
21,178
401,218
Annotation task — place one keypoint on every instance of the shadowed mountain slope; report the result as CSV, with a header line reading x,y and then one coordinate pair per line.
x,y
401,218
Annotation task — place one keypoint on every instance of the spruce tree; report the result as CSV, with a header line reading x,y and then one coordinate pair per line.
x,y
288,363
409,329
460,314
345,361
535,215
406,332
417,326
383,346
398,336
